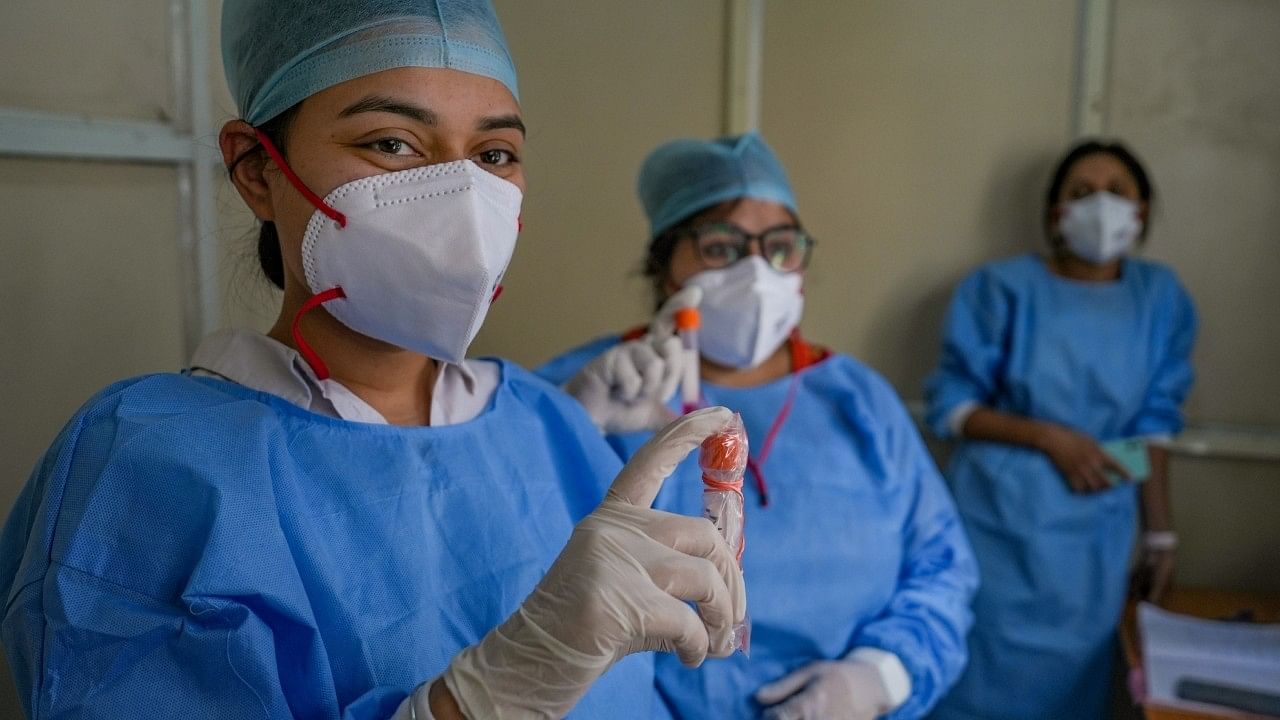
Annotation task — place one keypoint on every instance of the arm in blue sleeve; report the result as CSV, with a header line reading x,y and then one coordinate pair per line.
x,y
84,647
926,622
1173,375
973,351
81,645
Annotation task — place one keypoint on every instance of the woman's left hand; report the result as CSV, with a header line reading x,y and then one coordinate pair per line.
x,y
1153,576
824,690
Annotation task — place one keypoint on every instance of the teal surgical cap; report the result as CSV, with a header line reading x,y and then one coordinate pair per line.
x,y
685,177
277,53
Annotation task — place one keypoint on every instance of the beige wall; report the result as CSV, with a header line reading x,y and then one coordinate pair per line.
x,y
1196,90
916,134
46,67
602,83
89,291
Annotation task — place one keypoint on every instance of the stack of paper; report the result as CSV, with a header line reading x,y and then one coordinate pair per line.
x,y
1190,662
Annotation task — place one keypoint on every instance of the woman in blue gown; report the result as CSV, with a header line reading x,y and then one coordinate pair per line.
x,y
335,519
1045,360
857,569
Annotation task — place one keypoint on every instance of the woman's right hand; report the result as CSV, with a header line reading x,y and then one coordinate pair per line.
x,y
620,586
1079,458
627,387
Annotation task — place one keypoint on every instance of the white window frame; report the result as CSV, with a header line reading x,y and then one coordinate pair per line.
x,y
187,144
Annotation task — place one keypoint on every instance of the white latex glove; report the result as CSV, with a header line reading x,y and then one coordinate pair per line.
x,y
827,690
626,389
620,586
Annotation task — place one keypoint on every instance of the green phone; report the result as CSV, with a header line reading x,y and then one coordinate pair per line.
x,y
1131,454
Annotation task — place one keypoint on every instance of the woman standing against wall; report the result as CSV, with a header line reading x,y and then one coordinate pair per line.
x,y
1045,360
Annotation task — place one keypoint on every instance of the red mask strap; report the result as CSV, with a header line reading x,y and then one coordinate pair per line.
x,y
311,356
296,182
497,291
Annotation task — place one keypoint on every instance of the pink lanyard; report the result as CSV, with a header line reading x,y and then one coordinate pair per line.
x,y
803,355
755,464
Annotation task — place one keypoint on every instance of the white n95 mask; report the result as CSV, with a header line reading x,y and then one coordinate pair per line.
x,y
1101,227
420,257
748,310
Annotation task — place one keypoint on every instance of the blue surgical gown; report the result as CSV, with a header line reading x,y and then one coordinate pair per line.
x,y
1107,359
193,548
860,545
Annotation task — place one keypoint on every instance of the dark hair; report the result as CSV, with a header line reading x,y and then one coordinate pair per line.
x,y
270,258
657,260
1115,149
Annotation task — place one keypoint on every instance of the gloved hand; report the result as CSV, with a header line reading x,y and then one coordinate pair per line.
x,y
626,389
619,586
827,690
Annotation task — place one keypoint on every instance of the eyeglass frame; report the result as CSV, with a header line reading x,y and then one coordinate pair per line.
x,y
745,239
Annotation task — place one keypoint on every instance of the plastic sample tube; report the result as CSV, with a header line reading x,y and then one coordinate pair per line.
x,y
723,460
687,322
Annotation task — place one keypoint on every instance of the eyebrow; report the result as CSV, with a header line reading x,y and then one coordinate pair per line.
x,y
378,103
501,122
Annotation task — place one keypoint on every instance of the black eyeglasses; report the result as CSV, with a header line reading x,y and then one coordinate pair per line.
x,y
720,244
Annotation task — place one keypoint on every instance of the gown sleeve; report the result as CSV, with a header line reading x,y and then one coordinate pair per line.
x,y
110,631
926,621
1171,379
973,353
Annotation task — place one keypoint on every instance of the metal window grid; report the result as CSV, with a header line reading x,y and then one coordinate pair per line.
x,y
185,144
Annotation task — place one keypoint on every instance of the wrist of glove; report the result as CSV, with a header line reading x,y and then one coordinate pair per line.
x,y
827,689
621,585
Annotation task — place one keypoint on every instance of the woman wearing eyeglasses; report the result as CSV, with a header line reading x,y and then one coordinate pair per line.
x,y
858,573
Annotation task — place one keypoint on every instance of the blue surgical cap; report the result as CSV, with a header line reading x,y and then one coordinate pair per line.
x,y
277,53
684,177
